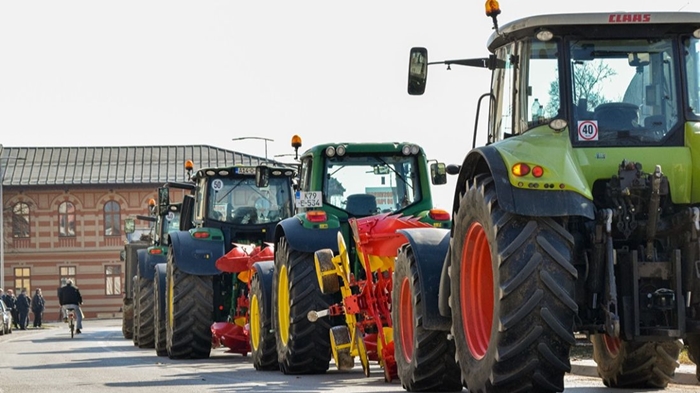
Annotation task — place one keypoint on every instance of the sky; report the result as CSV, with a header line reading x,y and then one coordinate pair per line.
x,y
169,72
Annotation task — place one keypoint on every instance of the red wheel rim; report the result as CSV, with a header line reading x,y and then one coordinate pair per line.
x,y
406,319
612,344
476,290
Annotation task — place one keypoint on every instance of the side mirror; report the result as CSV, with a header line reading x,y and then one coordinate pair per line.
x,y
417,71
163,198
262,176
129,225
438,173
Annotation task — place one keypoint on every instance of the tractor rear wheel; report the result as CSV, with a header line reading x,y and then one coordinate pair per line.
x,y
145,329
128,319
159,312
425,359
693,343
512,296
262,339
189,314
303,347
635,364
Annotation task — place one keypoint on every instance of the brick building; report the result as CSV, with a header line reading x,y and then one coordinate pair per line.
x,y
64,210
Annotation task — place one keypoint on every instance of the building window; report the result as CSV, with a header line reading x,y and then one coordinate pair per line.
x,y
23,279
20,220
112,218
113,280
65,273
66,219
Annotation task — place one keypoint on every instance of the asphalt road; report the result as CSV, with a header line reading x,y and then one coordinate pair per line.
x,y
100,360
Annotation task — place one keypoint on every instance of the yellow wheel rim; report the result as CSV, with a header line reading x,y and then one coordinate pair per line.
x,y
254,323
283,304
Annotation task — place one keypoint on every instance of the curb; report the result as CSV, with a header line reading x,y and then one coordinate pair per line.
x,y
685,373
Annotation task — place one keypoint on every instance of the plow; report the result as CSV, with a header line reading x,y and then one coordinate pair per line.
x,y
366,300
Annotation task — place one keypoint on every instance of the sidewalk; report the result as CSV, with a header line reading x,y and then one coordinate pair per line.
x,y
685,374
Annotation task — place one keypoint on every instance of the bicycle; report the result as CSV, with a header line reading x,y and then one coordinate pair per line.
x,y
70,318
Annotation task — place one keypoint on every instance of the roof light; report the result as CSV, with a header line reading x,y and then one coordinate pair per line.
x,y
415,149
189,165
696,33
406,150
330,151
544,35
492,8
210,173
151,202
316,216
223,172
520,169
296,141
340,150
439,215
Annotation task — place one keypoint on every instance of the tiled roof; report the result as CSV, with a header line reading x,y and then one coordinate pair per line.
x,y
91,165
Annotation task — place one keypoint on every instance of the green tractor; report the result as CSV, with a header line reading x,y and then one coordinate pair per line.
x,y
227,206
339,182
581,214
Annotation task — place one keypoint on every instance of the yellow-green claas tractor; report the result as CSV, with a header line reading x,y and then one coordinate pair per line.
x,y
580,214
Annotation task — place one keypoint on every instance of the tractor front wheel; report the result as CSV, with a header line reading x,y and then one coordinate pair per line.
x,y
631,364
262,339
189,313
512,295
303,347
425,359
145,329
159,292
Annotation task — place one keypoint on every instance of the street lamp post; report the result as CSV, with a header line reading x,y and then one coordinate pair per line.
x,y
256,137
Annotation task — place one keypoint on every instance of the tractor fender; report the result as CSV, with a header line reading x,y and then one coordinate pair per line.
x,y
264,270
525,202
141,263
306,239
147,263
162,269
195,256
430,246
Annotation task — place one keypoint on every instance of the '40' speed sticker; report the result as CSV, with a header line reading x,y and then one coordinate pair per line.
x,y
588,130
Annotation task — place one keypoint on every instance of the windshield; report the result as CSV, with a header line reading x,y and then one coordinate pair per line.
x,y
363,186
239,201
624,92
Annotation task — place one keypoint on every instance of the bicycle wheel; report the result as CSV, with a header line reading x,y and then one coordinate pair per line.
x,y
72,327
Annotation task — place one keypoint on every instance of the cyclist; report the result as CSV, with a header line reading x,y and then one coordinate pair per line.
x,y
69,297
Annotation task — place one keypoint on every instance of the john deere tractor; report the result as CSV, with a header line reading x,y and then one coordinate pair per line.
x,y
580,214
229,205
339,182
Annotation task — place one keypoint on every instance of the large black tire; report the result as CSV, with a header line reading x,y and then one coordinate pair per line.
x,y
159,315
145,330
303,347
128,319
189,313
512,296
262,339
425,359
135,316
693,343
635,364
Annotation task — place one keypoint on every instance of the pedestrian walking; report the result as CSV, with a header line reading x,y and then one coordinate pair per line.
x,y
11,303
23,306
38,305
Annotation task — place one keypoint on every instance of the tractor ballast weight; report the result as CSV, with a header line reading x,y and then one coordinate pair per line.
x,y
582,212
